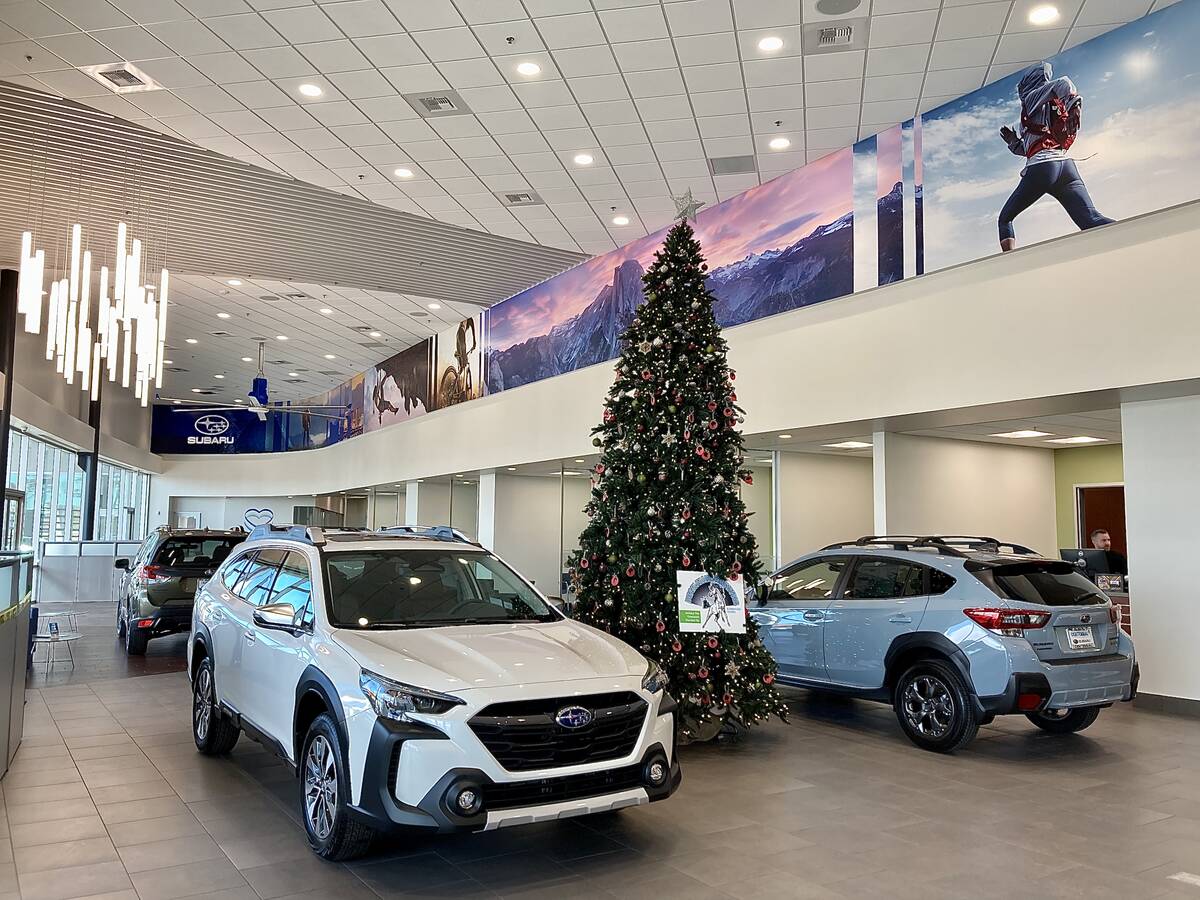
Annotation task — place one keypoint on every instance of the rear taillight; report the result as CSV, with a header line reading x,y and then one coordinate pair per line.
x,y
153,574
1114,615
1011,622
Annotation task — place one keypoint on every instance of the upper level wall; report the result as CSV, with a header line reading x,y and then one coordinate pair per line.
x,y
1105,310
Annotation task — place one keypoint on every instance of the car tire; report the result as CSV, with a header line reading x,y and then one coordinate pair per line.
x,y
332,832
935,707
135,641
120,622
1064,721
214,734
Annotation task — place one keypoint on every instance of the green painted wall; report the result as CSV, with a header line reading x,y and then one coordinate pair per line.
x,y
1081,465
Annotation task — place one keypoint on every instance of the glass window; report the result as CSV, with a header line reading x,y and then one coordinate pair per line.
x,y
939,582
883,579
293,585
255,586
195,552
419,588
1048,584
812,580
232,572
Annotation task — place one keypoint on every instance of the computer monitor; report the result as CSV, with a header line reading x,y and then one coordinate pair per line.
x,y
1092,561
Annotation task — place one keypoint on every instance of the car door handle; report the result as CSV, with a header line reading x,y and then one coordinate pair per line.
x,y
900,619
250,637
814,615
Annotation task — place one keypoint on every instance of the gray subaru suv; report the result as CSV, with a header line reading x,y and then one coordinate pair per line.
x,y
951,631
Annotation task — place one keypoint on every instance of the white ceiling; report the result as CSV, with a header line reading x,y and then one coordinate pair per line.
x,y
649,88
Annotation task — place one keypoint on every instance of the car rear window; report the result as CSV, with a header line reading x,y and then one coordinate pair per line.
x,y
200,552
1044,583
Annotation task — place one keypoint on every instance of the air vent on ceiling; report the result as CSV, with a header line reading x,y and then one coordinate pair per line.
x,y
731,165
219,333
365,328
207,392
372,345
122,78
175,369
298,296
328,372
294,380
437,104
519,198
835,37
278,362
269,298
419,314
837,7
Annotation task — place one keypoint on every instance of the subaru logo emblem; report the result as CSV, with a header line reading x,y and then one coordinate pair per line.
x,y
1085,618
573,717
212,424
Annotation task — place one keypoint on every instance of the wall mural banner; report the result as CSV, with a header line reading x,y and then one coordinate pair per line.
x,y
1107,130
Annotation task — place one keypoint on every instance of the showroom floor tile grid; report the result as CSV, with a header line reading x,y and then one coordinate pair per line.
x,y
108,798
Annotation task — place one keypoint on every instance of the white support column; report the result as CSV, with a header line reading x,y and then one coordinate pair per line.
x,y
487,510
776,510
411,490
879,481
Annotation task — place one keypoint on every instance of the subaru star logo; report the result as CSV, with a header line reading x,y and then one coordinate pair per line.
x,y
573,717
212,425
1085,618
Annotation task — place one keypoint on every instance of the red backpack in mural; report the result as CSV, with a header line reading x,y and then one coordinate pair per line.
x,y
1057,124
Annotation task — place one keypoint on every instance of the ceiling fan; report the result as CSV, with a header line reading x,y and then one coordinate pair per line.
x,y
258,399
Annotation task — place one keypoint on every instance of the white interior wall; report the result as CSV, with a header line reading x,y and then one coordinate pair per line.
x,y
528,518
759,501
576,493
942,486
464,509
1162,493
388,509
823,499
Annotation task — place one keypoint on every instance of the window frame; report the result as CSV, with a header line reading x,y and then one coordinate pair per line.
x,y
308,604
834,594
861,558
229,564
241,581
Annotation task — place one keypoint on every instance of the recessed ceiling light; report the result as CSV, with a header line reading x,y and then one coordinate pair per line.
x,y
433,305
620,220
190,341
281,337
197,390
311,90
222,315
1043,15
234,282
579,460
511,468
785,437
326,311
779,143
529,69
764,460
403,173
1026,433
168,362
770,44
374,334
218,376
330,356
1078,439
176,402
849,445
583,159
239,400
293,374
247,359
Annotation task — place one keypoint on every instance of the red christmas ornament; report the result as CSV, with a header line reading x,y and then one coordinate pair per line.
x,y
614,581
646,376
733,397
699,451
737,566
583,563
728,411
712,404
702,672
726,699
712,643
660,626
599,468
712,426
732,375
630,572
749,479
768,678
677,647
687,514
687,560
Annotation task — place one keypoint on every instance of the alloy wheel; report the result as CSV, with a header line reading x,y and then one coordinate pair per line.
x,y
202,703
928,706
320,787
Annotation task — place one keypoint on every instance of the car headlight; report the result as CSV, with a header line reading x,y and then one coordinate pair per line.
x,y
393,700
655,678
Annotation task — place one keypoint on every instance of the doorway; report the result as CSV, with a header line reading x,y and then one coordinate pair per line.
x,y
14,517
1101,506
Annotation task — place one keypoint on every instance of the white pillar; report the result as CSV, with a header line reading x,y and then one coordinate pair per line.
x,y
879,476
1162,493
486,526
411,490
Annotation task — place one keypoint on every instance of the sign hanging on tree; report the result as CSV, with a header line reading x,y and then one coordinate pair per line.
x,y
711,604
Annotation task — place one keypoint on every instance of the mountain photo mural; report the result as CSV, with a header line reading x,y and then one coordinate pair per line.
x,y
785,244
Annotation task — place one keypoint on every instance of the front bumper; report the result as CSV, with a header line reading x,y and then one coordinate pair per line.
x,y
412,773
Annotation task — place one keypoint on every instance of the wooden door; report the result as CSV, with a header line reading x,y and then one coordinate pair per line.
x,y
1102,507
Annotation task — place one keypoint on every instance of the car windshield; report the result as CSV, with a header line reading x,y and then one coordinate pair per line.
x,y
195,552
427,588
1045,583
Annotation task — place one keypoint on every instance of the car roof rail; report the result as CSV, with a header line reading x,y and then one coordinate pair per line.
x,y
948,545
309,534
431,532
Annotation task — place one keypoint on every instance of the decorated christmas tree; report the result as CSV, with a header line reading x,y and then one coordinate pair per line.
x,y
666,503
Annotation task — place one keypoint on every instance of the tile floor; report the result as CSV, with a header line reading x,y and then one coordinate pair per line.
x,y
108,799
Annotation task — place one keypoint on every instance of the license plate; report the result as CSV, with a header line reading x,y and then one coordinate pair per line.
x,y
1081,638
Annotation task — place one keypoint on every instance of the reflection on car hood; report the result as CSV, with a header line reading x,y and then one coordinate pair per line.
x,y
462,657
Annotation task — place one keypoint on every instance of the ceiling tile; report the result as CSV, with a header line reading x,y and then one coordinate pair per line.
x,y
893,87
245,32
363,18
723,126
578,30
702,49
241,122
279,62
832,116
208,99
835,66
1110,12
960,54
533,94
905,28
1085,33
833,93
471,73
887,111
390,50
529,142
954,81
421,77
79,49
1029,46
259,94
699,17
187,38
315,139
672,130
491,99
766,122
1068,9
712,78
612,136
766,13
34,20
145,12
203,8
478,12
335,56
495,37
887,7
718,103
87,15
766,98
285,118
766,72
423,15
443,44
640,56
597,88
634,24
133,42
551,118
73,83
976,20
225,68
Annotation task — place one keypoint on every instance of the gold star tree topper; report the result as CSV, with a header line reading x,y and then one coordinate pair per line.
x,y
687,206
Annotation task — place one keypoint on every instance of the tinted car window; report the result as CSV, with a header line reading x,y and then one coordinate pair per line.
x,y
882,579
255,586
812,580
232,572
293,584
1045,583
199,552
939,582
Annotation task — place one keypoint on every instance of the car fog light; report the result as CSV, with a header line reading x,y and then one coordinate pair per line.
x,y
466,800
656,773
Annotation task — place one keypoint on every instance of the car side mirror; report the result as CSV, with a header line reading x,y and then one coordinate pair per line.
x,y
275,615
121,563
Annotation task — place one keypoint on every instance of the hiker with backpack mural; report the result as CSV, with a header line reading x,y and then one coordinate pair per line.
x,y
1050,116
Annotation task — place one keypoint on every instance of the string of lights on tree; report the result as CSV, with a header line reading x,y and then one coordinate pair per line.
x,y
665,497
122,337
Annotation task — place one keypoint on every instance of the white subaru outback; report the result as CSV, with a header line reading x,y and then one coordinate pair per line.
x,y
413,679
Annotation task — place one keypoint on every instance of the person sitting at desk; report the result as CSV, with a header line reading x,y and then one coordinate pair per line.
x,y
1102,540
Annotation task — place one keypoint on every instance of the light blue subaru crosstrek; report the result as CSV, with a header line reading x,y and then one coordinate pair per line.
x,y
951,631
